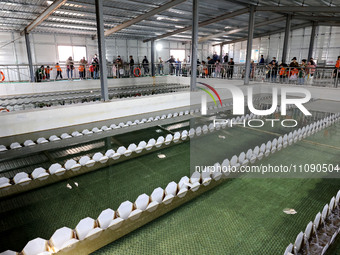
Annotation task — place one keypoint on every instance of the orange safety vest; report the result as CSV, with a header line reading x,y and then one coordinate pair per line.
x,y
48,70
294,71
337,65
58,68
282,71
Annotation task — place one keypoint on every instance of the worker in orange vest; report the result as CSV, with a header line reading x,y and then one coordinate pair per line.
x,y
81,72
91,69
294,72
59,71
337,67
48,70
283,72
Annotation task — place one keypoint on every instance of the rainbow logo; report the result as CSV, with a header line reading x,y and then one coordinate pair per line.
x,y
209,93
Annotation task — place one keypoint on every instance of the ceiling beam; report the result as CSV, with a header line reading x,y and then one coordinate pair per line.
x,y
260,24
317,18
44,15
315,9
203,23
143,17
330,23
266,34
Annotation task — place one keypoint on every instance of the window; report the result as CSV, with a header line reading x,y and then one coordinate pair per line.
x,y
178,54
76,52
79,52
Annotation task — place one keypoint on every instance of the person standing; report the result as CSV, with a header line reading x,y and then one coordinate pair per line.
x,y
283,72
261,63
275,67
69,67
273,62
301,75
171,61
160,66
312,61
120,66
95,64
91,69
211,66
310,69
336,72
204,69
226,58
294,63
252,69
230,70
145,64
81,71
215,57
83,63
131,64
48,70
59,71
178,67
218,68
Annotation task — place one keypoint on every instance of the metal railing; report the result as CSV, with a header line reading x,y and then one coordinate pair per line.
x,y
315,76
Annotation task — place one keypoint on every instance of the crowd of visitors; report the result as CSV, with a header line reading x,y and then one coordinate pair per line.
x,y
291,73
214,67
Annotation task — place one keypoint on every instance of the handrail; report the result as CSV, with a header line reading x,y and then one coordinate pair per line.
x,y
316,76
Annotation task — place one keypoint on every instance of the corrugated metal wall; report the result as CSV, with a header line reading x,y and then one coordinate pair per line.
x,y
45,48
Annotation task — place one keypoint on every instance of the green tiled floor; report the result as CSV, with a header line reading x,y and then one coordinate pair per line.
x,y
241,216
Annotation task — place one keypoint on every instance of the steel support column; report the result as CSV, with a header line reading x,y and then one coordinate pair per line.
x,y
249,43
152,58
286,38
194,41
311,42
101,50
29,56
221,52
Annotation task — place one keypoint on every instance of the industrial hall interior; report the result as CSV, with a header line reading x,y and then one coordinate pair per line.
x,y
148,127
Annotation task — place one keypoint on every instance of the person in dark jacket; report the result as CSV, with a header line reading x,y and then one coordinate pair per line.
x,y
39,74
215,57
312,61
211,66
261,60
226,58
95,63
145,64
294,63
172,62
230,70
131,64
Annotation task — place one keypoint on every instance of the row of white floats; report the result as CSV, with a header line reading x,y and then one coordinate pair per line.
x,y
109,218
54,138
313,226
29,103
88,227
278,143
88,91
40,173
